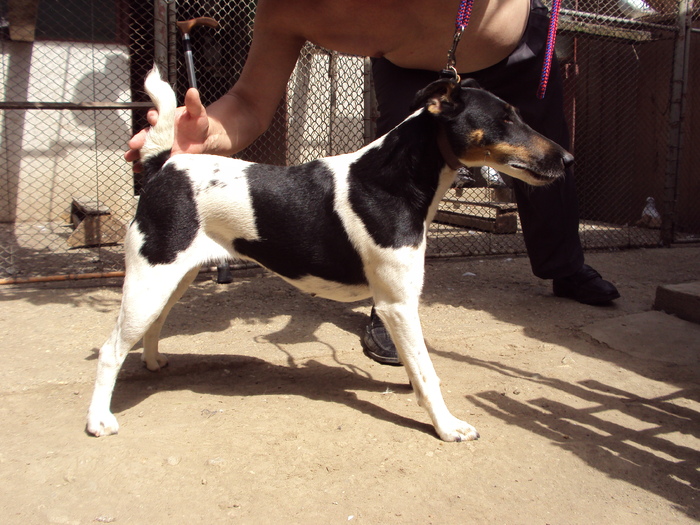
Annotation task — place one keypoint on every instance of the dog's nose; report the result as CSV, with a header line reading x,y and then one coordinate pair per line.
x,y
567,160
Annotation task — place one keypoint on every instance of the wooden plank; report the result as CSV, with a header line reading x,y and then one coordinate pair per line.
x,y
89,207
502,207
82,208
75,106
502,223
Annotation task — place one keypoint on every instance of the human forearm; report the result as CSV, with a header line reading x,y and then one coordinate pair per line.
x,y
233,125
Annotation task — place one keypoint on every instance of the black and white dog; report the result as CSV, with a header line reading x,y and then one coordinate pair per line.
x,y
346,228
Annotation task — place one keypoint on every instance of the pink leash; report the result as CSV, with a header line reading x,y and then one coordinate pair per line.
x,y
463,14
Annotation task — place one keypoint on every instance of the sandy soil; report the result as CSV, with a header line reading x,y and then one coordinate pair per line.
x,y
270,413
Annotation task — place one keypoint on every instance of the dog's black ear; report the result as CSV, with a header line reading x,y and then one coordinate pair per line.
x,y
438,96
470,83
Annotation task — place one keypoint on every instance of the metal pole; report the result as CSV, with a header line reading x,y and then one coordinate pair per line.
x,y
296,150
370,103
160,34
679,81
172,44
333,95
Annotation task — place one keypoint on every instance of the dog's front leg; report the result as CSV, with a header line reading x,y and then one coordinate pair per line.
x,y
403,324
100,420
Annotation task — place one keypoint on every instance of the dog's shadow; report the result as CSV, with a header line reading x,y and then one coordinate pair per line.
x,y
242,376
256,298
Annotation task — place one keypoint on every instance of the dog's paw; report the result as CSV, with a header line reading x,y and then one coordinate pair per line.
x,y
102,425
457,430
154,363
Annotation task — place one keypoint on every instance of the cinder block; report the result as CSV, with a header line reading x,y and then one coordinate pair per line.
x,y
681,300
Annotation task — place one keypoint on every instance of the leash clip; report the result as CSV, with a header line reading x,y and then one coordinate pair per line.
x,y
450,73
450,70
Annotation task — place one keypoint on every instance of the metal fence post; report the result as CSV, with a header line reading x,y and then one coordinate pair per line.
x,y
677,104
161,50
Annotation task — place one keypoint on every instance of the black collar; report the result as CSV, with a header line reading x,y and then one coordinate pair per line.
x,y
446,150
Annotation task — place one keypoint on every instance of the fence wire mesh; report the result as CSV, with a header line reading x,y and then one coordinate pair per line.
x,y
72,72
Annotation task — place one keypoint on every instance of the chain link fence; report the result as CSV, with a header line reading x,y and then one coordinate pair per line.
x,y
73,73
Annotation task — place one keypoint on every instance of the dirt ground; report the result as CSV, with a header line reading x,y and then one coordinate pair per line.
x,y
270,413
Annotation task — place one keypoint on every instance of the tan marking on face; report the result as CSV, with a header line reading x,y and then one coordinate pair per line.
x,y
520,152
497,152
476,136
542,144
476,154
539,144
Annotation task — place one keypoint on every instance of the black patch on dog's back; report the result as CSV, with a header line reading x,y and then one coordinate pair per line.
x,y
300,232
167,215
392,186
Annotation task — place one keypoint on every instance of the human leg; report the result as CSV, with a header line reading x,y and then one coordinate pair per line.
x,y
549,215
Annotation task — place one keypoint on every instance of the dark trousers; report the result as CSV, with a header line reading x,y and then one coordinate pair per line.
x,y
549,215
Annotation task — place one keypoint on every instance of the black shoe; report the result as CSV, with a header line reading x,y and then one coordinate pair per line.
x,y
586,286
377,344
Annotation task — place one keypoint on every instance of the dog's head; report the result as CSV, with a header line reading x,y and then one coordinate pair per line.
x,y
483,130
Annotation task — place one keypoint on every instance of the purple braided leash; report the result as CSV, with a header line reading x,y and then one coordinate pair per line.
x,y
465,11
549,50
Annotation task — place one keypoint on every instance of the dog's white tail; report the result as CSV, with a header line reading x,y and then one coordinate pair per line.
x,y
161,136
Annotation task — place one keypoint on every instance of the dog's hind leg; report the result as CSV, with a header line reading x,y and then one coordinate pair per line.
x,y
153,359
403,323
147,291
